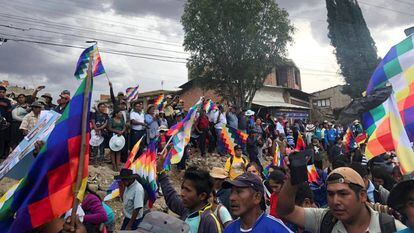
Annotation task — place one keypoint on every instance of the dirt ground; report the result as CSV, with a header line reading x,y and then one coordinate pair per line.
x,y
101,176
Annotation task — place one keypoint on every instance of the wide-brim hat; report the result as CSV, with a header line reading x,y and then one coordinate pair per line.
x,y
218,173
116,143
95,140
397,195
126,173
249,113
310,127
162,128
47,95
36,104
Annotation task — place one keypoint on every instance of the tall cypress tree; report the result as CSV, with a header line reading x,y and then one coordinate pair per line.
x,y
354,47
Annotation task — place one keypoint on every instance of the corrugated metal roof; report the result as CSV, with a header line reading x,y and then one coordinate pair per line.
x,y
277,104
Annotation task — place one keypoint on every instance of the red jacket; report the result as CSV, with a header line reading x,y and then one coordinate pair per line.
x,y
203,123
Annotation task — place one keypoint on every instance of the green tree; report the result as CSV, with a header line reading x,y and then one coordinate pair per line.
x,y
234,44
354,47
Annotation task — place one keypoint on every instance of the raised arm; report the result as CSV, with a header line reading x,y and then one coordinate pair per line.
x,y
286,207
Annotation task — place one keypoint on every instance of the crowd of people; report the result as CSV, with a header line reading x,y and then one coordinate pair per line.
x,y
250,192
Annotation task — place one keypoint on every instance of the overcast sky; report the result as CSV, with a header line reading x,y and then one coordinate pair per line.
x,y
150,34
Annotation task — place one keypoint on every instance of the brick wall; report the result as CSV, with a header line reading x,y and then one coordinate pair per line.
x,y
191,96
271,79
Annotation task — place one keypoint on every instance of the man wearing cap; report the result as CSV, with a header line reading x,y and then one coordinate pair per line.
x,y
5,112
247,203
48,105
348,210
132,199
401,199
63,102
236,164
30,120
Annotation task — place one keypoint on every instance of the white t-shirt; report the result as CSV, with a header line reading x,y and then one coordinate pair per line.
x,y
222,120
139,117
279,127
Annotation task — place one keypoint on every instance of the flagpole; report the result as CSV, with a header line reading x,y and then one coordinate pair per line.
x,y
166,145
83,142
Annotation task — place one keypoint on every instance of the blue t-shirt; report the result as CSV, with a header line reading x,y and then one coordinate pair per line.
x,y
264,224
407,230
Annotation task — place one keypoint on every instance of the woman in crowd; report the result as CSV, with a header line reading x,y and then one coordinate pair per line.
x,y
95,214
151,119
19,111
117,127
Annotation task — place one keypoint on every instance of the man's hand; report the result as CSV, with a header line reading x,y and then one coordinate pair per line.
x,y
77,228
161,159
39,88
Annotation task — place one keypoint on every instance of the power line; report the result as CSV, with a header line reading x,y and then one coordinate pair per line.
x,y
79,17
85,29
404,2
115,52
386,8
91,38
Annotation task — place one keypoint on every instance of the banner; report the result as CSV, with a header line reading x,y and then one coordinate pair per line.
x,y
19,161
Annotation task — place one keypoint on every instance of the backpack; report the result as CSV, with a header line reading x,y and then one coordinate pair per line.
x,y
218,215
387,223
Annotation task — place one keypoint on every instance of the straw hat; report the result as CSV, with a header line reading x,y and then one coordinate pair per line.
x,y
218,173
47,95
117,143
95,140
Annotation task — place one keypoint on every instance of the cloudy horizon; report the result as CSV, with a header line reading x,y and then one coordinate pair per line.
x,y
150,34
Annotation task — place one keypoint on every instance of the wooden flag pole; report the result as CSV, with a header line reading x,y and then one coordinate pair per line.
x,y
85,112
168,143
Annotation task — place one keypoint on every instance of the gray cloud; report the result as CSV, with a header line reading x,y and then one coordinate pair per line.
x,y
172,9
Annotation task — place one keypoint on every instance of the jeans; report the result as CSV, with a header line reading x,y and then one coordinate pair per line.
x,y
134,225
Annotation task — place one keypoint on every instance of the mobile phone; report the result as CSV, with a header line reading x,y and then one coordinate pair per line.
x,y
298,168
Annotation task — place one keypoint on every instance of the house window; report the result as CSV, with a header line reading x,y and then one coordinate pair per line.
x,y
322,103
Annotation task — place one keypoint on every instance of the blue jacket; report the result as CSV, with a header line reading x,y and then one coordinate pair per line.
x,y
330,135
265,224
